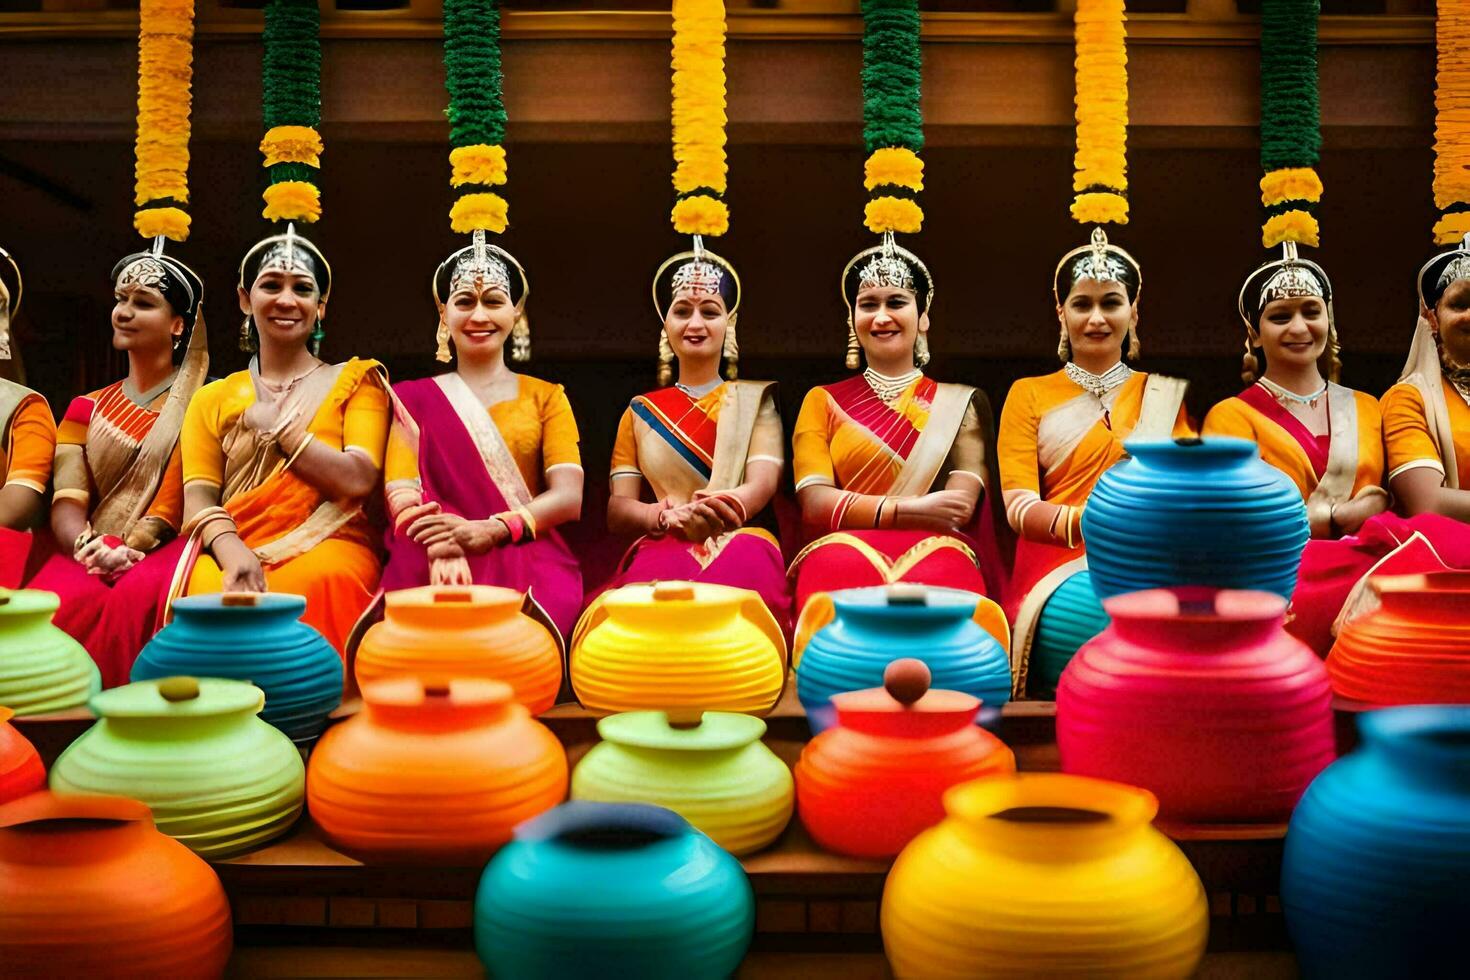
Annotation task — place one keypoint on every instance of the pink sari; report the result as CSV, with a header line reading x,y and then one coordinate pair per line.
x,y
472,474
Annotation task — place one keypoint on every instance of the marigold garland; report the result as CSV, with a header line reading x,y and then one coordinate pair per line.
x,y
165,73
474,78
291,88
1291,132
1101,161
893,118
698,114
483,211
1452,121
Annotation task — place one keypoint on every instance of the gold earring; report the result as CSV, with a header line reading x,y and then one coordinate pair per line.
x,y
1334,364
247,342
665,360
731,351
1249,365
520,339
443,355
854,349
1064,347
1135,347
921,350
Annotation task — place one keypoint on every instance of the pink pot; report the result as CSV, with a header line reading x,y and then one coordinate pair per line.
x,y
1200,696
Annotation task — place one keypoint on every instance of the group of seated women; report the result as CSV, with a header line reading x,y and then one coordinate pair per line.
x,y
324,480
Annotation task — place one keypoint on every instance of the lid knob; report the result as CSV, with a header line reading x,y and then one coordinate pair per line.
x,y
456,596
239,599
685,719
176,689
670,591
907,680
908,594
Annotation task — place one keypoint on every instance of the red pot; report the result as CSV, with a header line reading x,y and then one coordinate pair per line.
x,y
21,771
1413,649
1200,696
874,781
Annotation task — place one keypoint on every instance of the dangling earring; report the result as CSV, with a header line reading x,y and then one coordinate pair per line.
x,y
731,351
1249,365
854,349
247,339
1064,347
443,355
318,334
179,339
520,339
665,360
1334,363
921,350
1134,347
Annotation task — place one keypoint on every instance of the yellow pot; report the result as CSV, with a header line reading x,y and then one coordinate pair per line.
x,y
1043,874
714,772
678,645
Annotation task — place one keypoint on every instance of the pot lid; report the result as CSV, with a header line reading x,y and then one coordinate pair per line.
x,y
44,805
230,603
673,595
908,597
453,596
463,692
179,697
905,706
25,602
703,731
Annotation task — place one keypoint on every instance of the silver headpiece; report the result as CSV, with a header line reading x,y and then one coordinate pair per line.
x,y
698,276
1098,263
288,258
1290,282
144,271
477,271
886,270
1457,269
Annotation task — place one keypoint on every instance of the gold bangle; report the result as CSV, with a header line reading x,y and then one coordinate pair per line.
x,y
297,452
530,522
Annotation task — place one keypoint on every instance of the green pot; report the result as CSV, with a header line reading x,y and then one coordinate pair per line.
x,y
41,668
217,778
715,773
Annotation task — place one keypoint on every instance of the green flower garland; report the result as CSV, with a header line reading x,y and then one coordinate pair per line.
x,y
1291,131
893,120
474,77
291,84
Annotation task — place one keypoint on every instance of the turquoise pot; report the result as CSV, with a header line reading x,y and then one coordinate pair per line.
x,y
255,638
873,627
612,890
1072,616
1377,861
1194,512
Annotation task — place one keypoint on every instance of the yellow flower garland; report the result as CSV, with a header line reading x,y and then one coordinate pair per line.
x,y
699,114
488,211
478,164
896,214
165,72
1292,226
1291,184
292,144
292,200
894,165
1102,113
1452,121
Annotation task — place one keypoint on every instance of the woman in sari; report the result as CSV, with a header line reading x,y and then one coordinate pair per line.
x,y
27,444
484,463
118,499
708,450
1060,432
890,464
282,460
1326,438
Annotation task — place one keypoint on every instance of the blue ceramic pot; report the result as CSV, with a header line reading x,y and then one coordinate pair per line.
x,y
1375,881
612,890
255,638
875,626
1194,512
1072,616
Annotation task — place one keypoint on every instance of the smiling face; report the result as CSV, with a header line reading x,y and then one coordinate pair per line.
x,y
1450,320
285,307
696,325
1293,331
480,321
1097,317
888,321
143,321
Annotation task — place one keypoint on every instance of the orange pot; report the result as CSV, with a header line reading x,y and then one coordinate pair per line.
x,y
88,888
438,774
1413,649
440,633
21,771
872,783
